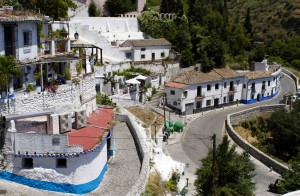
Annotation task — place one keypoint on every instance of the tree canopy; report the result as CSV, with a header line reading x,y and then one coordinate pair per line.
x,y
93,10
233,172
56,9
117,7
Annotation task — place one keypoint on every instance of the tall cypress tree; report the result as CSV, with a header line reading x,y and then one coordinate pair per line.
x,y
247,23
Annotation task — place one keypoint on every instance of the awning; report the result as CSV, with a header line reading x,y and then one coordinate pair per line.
x,y
132,81
141,77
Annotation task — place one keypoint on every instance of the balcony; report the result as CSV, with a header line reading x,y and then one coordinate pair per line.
x,y
199,97
232,90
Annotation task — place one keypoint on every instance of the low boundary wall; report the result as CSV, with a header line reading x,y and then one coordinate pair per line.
x,y
142,149
236,118
296,80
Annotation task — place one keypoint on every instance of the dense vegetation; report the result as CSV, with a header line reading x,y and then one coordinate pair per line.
x,y
117,7
56,9
279,135
233,172
93,10
219,32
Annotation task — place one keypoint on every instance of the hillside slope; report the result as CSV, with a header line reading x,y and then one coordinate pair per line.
x,y
270,18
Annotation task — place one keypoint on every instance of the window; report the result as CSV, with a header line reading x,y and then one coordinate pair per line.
x,y
244,85
27,163
208,102
172,92
162,54
27,38
55,142
61,163
225,85
252,96
128,55
269,83
175,103
208,87
143,49
199,104
185,93
142,56
216,86
224,99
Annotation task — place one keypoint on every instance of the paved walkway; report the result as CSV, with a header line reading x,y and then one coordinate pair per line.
x,y
124,169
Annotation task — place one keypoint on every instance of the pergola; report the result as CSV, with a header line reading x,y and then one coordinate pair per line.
x,y
78,43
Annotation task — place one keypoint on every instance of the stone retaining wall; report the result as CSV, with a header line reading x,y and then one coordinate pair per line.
x,y
235,118
142,149
66,98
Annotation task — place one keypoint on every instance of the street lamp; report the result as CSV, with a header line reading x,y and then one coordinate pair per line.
x,y
76,35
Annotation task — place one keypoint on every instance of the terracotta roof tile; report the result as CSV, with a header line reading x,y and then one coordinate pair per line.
x,y
146,42
260,74
19,16
175,85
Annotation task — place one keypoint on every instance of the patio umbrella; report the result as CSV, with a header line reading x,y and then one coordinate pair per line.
x,y
141,77
132,81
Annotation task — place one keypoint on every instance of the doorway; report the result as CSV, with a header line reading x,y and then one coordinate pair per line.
x,y
216,102
153,56
258,97
108,145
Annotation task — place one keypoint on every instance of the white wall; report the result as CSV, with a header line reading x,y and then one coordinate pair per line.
x,y
79,170
157,50
29,52
211,94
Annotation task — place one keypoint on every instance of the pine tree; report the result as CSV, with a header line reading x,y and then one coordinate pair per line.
x,y
247,23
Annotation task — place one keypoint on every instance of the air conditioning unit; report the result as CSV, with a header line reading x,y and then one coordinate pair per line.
x,y
65,122
80,119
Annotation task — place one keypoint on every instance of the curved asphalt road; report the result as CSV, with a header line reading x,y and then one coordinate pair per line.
x,y
197,141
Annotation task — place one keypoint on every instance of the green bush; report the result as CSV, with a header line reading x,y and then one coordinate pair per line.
x,y
103,99
29,88
67,73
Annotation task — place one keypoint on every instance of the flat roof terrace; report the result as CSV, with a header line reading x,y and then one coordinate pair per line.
x,y
91,135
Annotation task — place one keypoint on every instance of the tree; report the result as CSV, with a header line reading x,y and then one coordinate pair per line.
x,y
291,179
233,172
247,23
93,10
171,6
56,9
117,7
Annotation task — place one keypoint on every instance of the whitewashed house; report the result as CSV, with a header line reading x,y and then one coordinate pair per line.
x,y
146,49
261,84
42,150
195,91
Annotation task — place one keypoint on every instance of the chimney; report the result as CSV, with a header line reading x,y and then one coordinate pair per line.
x,y
198,67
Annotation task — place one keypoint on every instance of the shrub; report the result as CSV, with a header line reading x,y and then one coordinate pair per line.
x,y
29,88
67,73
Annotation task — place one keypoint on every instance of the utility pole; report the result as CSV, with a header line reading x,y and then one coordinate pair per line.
x,y
155,132
164,96
213,172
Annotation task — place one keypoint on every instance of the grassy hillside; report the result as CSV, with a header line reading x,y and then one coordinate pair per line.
x,y
270,18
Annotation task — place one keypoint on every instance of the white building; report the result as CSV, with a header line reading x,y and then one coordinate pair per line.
x,y
59,158
261,84
195,91
146,49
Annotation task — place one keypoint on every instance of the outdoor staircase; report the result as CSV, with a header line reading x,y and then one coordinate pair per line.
x,y
155,101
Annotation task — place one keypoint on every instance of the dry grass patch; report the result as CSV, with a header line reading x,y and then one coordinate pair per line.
x,y
148,117
245,134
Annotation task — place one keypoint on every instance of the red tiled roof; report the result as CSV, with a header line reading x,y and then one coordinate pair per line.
x,y
175,85
89,136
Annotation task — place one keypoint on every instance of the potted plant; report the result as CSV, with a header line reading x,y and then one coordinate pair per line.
x,y
63,33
